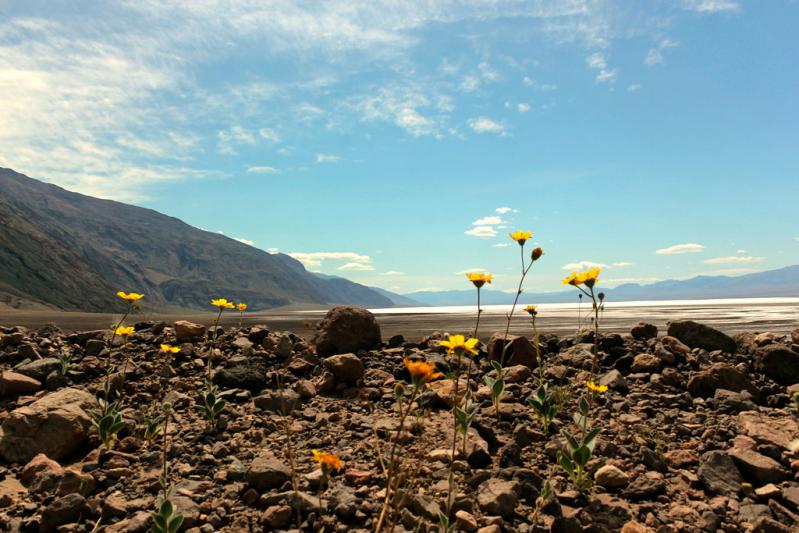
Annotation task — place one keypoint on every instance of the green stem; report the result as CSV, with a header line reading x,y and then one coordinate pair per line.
x,y
525,270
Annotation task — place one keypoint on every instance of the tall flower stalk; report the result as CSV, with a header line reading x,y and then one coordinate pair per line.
x,y
327,463
241,308
589,279
521,237
458,346
221,304
421,374
532,310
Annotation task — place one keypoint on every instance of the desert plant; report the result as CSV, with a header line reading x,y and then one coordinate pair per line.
x,y
544,405
479,279
421,374
540,502
166,519
521,237
590,278
108,422
496,385
221,304
211,406
575,456
66,362
532,310
327,463
241,308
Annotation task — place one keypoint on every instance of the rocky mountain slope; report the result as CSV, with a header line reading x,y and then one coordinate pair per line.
x,y
74,252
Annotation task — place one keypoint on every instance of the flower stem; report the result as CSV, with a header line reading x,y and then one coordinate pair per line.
x,y
525,270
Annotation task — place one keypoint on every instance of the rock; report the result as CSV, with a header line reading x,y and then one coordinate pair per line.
x,y
247,374
346,367
498,497
41,474
697,335
94,347
13,384
674,345
465,522
444,391
765,524
636,527
578,356
11,490
719,474
704,383
644,331
62,511
186,331
646,363
776,430
779,363
275,402
277,516
520,350
516,374
57,425
733,402
268,472
611,477
757,467
645,487
40,368
346,329
614,381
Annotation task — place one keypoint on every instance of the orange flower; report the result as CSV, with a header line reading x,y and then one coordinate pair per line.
x,y
327,460
421,372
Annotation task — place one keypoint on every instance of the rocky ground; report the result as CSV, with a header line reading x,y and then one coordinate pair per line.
x,y
697,431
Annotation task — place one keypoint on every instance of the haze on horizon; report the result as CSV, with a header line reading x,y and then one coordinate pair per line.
x,y
396,144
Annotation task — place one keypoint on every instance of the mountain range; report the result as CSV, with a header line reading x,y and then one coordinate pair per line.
x,y
782,282
63,250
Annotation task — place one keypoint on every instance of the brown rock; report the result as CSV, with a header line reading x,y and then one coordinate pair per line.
x,y
186,331
346,367
11,490
57,425
780,363
520,350
777,430
13,384
704,383
698,335
646,363
346,329
758,467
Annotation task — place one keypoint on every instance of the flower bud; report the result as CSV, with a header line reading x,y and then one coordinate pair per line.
x,y
601,296
399,390
537,253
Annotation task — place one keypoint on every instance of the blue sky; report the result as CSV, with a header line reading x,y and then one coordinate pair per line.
x,y
396,144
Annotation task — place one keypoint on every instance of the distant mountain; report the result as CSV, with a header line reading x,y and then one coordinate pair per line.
x,y
398,300
74,252
782,282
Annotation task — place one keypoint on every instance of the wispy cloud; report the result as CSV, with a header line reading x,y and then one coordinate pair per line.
x,y
486,125
244,241
597,61
262,170
634,88
358,267
393,273
483,232
327,158
315,259
688,248
488,221
582,265
712,6
733,259
655,55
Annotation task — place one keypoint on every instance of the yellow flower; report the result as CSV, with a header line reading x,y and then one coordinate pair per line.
x,y
589,278
242,307
596,388
130,297
420,371
532,309
479,278
327,460
124,331
521,236
571,279
222,303
169,349
458,343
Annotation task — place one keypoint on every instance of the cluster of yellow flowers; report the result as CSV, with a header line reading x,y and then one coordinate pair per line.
x,y
589,278
224,303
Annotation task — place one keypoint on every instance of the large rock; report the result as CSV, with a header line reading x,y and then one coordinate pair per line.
x,y
698,335
758,467
268,472
643,331
719,474
347,367
40,368
56,425
186,331
62,511
13,384
498,497
779,363
520,350
249,374
347,329
704,383
776,430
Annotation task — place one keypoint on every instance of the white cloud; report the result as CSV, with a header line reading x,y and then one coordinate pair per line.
x,y
487,221
469,270
523,107
327,158
582,265
315,259
712,6
393,273
262,170
361,267
598,61
244,241
634,88
486,125
688,248
740,251
730,272
484,232
505,210
655,55
622,264
234,136
501,245
733,259
269,134
273,250
428,289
